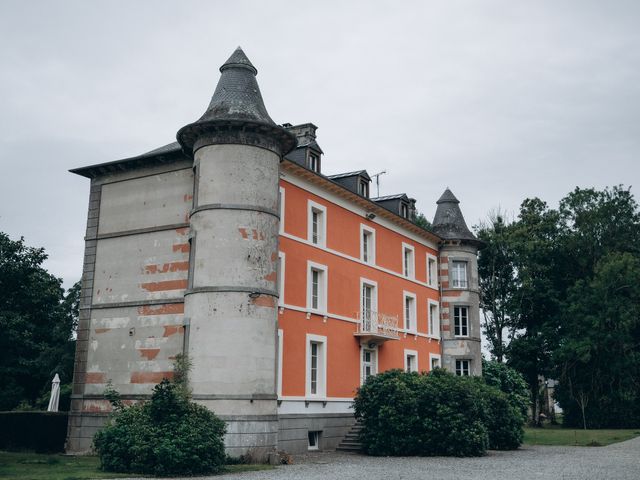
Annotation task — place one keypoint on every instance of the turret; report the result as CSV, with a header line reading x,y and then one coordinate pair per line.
x,y
231,299
460,308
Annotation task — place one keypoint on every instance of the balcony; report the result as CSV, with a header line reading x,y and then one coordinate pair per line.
x,y
376,328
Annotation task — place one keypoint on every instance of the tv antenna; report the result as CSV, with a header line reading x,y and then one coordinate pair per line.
x,y
377,175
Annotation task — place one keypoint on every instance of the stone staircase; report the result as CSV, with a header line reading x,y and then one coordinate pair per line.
x,y
351,443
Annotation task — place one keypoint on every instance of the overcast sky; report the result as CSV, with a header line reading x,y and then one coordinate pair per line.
x,y
499,100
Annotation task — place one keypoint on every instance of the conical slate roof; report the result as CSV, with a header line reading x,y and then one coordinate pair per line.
x,y
236,102
448,222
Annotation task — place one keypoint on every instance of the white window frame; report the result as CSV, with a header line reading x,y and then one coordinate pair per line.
x,y
468,334
375,361
371,253
413,312
280,277
281,208
453,282
374,297
280,359
461,369
322,233
363,187
321,387
314,156
432,357
410,270
435,322
414,354
432,280
322,288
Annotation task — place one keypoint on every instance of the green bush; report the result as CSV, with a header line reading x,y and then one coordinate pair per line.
x,y
168,435
509,381
435,414
43,432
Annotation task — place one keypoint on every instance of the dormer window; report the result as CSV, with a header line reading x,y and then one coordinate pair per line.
x,y
363,188
314,162
404,210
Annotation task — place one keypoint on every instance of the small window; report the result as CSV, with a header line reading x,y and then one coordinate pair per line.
x,y
368,364
463,367
363,188
434,319
410,361
314,439
317,224
459,274
367,245
461,321
432,271
435,361
408,264
409,312
314,162
404,210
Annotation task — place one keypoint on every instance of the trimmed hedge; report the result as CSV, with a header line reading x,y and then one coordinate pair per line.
x,y
43,432
435,414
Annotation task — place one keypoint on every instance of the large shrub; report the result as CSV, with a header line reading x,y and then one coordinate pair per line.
x,y
44,432
509,381
168,435
435,414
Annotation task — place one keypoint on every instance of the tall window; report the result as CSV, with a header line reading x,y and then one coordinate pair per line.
x,y
459,274
367,244
368,363
317,224
432,271
434,319
463,367
461,321
314,162
281,201
315,347
316,365
280,277
367,305
317,287
409,312
407,261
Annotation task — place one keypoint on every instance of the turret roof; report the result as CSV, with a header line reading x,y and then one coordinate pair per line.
x,y
237,103
448,221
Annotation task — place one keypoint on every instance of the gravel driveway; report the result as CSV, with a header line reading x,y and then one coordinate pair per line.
x,y
620,461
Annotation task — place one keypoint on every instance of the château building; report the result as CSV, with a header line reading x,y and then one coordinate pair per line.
x,y
286,287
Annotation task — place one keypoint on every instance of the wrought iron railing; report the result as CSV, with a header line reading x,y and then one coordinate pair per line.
x,y
377,323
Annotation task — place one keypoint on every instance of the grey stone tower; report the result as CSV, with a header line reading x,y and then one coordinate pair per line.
x,y
231,298
460,296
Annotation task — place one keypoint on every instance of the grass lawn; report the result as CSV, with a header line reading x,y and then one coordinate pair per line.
x,y
564,436
34,466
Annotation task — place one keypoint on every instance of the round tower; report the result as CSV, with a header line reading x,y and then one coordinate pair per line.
x,y
231,300
459,288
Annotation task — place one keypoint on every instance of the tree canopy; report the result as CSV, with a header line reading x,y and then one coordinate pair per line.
x,y
562,283
37,320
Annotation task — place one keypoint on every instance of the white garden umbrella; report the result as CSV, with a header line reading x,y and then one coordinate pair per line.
x,y
55,394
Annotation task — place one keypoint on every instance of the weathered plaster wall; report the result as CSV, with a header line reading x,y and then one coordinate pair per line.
x,y
453,347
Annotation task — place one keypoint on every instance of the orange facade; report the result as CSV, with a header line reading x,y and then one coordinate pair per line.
x,y
339,255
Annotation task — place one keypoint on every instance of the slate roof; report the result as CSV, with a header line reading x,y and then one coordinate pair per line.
x,y
236,103
362,173
448,221
391,197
